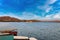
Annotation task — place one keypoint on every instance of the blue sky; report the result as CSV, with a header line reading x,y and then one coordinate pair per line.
x,y
30,9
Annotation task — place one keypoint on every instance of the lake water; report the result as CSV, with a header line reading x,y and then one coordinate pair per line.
x,y
39,30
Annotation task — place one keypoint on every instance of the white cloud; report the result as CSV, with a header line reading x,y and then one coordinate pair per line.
x,y
9,14
25,15
46,7
29,15
52,16
52,1
57,15
37,17
47,17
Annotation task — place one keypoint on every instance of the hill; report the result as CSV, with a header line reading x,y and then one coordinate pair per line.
x,y
9,19
12,19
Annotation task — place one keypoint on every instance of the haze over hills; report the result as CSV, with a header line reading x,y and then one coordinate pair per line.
x,y
12,19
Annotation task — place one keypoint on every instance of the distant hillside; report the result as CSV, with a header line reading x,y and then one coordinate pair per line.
x,y
9,19
12,19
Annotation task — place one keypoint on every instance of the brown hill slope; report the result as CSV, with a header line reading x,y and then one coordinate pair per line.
x,y
9,19
12,19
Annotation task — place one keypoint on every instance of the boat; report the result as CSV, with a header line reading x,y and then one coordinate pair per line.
x,y
10,31
14,33
23,38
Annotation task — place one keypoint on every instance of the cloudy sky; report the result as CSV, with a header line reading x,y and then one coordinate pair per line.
x,y
30,9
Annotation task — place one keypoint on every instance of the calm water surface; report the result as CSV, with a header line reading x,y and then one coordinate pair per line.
x,y
39,30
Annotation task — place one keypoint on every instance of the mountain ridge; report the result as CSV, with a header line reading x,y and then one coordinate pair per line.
x,y
13,19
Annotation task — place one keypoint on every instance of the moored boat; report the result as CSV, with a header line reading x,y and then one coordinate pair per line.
x,y
23,38
20,38
10,31
15,37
